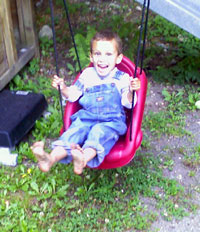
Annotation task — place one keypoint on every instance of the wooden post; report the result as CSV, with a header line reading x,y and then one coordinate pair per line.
x,y
17,31
7,31
3,57
26,24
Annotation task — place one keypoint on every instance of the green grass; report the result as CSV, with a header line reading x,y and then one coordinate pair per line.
x,y
193,160
171,120
107,200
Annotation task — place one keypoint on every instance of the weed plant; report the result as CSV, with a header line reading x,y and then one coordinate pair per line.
x,y
176,49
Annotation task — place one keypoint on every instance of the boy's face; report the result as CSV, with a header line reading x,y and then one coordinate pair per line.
x,y
105,56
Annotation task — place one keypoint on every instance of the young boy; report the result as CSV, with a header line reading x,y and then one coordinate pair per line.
x,y
102,91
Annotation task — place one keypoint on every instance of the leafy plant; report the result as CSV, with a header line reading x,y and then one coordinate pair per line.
x,y
46,46
83,47
182,99
34,66
178,50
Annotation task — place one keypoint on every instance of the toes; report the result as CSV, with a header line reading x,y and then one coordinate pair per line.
x,y
76,147
38,151
38,144
73,146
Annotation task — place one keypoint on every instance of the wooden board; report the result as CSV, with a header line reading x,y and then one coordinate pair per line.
x,y
7,31
3,57
26,25
19,64
17,32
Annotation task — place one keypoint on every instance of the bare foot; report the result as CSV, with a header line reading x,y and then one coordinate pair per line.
x,y
78,159
44,160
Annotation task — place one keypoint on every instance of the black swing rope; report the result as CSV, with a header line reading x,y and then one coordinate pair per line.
x,y
55,49
56,58
138,54
72,34
145,35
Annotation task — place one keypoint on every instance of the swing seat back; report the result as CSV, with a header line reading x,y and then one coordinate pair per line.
x,y
124,150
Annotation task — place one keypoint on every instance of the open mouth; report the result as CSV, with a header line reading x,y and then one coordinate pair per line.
x,y
102,66
102,69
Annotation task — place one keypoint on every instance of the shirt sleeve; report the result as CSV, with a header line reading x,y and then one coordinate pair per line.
x,y
125,83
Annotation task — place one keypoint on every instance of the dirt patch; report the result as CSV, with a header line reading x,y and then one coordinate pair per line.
x,y
177,148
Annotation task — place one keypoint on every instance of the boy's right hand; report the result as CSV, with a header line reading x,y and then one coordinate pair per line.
x,y
57,81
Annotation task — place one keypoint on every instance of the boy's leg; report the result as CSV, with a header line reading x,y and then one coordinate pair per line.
x,y
45,160
101,137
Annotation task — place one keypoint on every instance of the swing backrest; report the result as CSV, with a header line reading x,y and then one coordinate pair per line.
x,y
124,150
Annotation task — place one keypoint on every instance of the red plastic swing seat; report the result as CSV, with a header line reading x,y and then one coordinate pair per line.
x,y
124,150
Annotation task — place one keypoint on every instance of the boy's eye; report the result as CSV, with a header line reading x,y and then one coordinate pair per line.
x,y
97,53
109,54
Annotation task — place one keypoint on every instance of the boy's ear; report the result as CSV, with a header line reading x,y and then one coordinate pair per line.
x,y
119,58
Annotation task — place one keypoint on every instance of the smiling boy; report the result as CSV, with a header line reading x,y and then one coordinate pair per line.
x,y
103,91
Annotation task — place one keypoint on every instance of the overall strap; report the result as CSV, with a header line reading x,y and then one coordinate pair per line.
x,y
118,74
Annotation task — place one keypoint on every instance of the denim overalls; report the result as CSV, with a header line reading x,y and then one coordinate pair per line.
x,y
99,123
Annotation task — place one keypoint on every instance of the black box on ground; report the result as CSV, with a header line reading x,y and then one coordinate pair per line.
x,y
18,112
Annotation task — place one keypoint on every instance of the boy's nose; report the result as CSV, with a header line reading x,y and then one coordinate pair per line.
x,y
102,57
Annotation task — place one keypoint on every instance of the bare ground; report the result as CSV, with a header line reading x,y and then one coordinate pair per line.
x,y
175,147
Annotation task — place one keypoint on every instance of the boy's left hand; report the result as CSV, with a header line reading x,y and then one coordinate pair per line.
x,y
134,84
